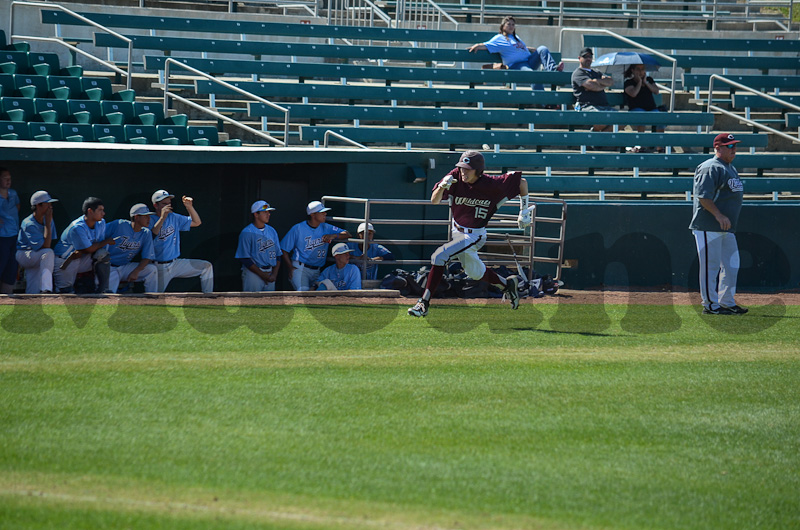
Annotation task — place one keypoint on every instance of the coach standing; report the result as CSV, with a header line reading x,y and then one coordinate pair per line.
x,y
718,193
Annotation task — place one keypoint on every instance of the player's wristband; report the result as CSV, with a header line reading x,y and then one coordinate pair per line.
x,y
524,202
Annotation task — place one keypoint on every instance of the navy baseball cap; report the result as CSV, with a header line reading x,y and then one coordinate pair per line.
x,y
585,52
472,160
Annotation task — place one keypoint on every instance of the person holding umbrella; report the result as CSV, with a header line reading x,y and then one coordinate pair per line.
x,y
639,91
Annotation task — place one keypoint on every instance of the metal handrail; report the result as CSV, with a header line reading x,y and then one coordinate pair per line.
x,y
374,10
128,74
75,49
168,95
400,14
747,120
343,138
632,43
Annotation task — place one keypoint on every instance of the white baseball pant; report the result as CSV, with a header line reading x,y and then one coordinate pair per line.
x,y
38,265
463,247
65,279
252,283
148,275
186,268
718,254
303,278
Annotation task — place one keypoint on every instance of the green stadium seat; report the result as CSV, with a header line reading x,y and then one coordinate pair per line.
x,y
77,132
14,46
172,134
109,133
85,111
203,135
152,113
7,86
43,63
117,112
17,109
64,87
50,132
141,134
31,86
12,62
96,88
51,110
13,130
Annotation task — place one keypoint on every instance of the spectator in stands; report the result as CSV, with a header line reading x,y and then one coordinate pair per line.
x,y
166,231
259,250
83,247
305,246
515,54
375,252
342,275
639,90
133,237
9,229
589,87
34,254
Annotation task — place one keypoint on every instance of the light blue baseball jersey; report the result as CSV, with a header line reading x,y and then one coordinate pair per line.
x,y
305,244
167,243
31,234
374,251
9,215
260,245
346,278
78,236
129,243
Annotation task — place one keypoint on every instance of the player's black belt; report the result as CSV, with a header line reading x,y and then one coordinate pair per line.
x,y
312,267
267,268
165,262
463,230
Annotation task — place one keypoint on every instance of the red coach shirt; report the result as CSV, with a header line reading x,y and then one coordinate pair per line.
x,y
474,204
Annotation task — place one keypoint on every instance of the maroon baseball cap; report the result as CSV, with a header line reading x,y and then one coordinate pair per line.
x,y
725,139
472,160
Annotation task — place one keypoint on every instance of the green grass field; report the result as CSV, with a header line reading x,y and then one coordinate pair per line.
x,y
552,416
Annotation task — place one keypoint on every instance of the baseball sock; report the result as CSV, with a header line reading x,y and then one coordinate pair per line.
x,y
434,277
492,277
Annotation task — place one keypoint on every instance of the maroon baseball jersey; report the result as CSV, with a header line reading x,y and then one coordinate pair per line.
x,y
474,204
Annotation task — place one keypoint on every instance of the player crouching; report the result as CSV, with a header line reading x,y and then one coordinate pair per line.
x,y
474,198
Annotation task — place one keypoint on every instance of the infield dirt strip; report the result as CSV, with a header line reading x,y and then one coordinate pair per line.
x,y
388,297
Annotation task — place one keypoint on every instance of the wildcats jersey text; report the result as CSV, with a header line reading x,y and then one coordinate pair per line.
x,y
474,204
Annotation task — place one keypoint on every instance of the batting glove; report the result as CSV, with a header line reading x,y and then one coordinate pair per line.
x,y
525,217
447,182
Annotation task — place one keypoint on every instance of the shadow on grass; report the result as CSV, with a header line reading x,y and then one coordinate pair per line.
x,y
29,319
355,320
130,319
759,318
217,320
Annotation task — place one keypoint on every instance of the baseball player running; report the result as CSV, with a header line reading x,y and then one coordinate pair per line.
x,y
133,237
305,246
342,275
166,229
258,250
36,234
83,247
474,198
718,194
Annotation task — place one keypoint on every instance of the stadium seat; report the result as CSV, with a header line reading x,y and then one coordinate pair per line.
x,y
45,132
30,86
117,112
172,134
84,111
44,63
64,87
16,109
7,86
96,88
141,134
13,130
109,133
12,62
77,132
51,110
202,135
15,46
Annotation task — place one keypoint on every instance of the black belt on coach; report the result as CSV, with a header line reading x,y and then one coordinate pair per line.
x,y
312,267
165,262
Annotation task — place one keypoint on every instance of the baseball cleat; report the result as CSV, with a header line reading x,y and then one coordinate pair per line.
x,y
719,311
737,309
420,309
511,292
